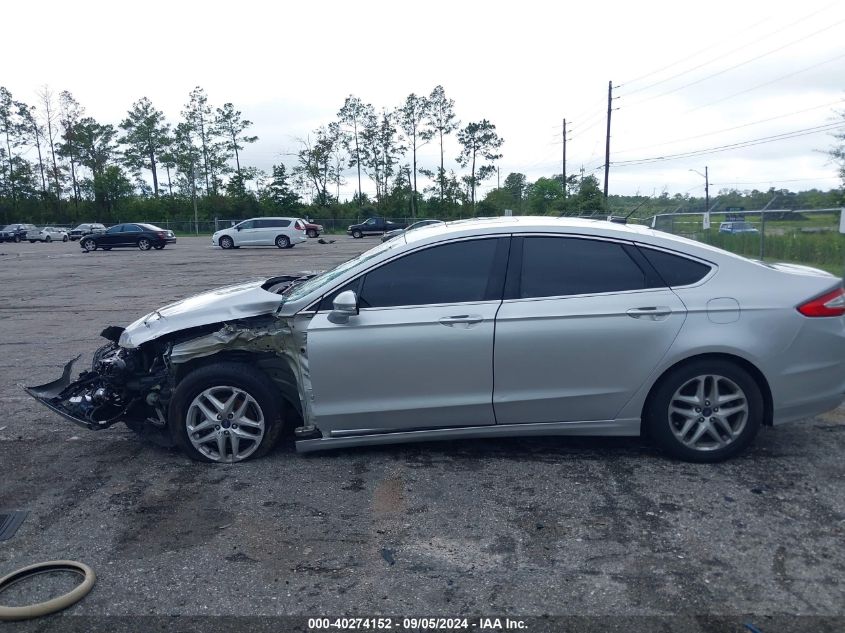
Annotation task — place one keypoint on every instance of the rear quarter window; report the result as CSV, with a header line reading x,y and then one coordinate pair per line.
x,y
675,269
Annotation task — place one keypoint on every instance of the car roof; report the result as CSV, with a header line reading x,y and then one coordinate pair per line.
x,y
565,225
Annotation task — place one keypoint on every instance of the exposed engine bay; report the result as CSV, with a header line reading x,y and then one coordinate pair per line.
x,y
134,383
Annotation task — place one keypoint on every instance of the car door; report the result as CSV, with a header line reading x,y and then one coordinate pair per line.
x,y
419,354
581,327
262,233
111,237
246,233
130,234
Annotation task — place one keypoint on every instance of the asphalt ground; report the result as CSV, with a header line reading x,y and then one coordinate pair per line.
x,y
608,530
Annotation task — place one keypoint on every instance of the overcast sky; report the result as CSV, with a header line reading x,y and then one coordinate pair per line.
x,y
288,66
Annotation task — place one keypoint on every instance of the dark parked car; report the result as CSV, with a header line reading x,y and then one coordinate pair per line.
x,y
373,226
16,232
416,225
313,230
89,228
143,236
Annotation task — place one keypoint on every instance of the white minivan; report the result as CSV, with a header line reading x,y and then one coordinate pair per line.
x,y
283,232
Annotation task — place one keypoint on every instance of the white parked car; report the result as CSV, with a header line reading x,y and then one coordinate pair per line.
x,y
283,232
47,234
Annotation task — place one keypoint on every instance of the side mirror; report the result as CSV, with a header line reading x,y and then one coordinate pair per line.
x,y
344,306
238,228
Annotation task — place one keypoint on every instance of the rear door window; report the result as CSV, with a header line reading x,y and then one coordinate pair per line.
x,y
675,270
563,266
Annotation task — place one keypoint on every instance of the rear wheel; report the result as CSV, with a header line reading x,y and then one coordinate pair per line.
x,y
64,238
226,412
705,411
48,239
90,245
144,244
357,234
283,241
226,242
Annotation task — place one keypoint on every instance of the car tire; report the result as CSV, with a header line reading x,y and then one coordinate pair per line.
x,y
144,244
48,239
357,234
256,399
312,233
32,241
686,412
17,239
90,245
283,241
226,242
65,238
158,247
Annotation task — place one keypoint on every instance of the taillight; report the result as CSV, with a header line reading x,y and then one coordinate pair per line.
x,y
831,304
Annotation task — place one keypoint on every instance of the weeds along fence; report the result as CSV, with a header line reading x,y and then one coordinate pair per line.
x,y
805,236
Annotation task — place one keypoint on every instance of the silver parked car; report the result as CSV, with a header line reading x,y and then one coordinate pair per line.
x,y
501,327
47,234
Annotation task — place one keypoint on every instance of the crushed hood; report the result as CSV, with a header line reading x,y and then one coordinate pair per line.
x,y
215,306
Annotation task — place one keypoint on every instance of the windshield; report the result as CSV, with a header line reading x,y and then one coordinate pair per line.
x,y
11,227
323,279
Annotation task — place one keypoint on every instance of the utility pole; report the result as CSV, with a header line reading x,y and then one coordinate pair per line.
x,y
607,139
706,190
194,197
563,169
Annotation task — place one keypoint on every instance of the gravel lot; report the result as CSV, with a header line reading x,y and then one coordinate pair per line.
x,y
603,527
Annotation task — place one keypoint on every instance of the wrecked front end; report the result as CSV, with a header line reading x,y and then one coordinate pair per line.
x,y
133,378
122,385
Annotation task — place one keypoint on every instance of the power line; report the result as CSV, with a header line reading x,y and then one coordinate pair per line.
x,y
730,129
766,83
723,148
694,55
773,181
735,66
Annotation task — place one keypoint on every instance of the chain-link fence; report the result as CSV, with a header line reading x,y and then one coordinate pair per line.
x,y
803,236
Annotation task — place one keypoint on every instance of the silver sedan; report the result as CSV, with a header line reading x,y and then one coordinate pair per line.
x,y
486,328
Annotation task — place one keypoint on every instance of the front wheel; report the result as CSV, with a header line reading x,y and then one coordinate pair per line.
x,y
144,244
226,412
357,234
158,247
705,411
89,244
283,241
17,239
48,239
65,238
226,242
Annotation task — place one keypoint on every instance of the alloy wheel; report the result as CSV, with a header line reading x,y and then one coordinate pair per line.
x,y
708,412
144,244
225,424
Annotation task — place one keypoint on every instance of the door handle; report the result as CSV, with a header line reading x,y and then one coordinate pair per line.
x,y
467,319
655,313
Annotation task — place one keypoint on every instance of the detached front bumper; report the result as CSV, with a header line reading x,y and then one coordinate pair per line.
x,y
56,396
